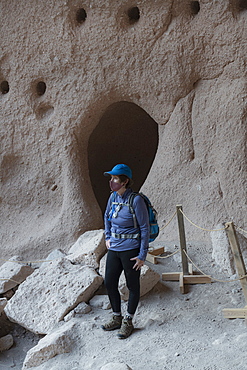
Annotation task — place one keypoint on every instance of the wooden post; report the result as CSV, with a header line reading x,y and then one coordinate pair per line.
x,y
238,258
180,217
186,276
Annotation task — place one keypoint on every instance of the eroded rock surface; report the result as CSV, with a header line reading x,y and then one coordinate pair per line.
x,y
180,64
50,293
88,249
53,344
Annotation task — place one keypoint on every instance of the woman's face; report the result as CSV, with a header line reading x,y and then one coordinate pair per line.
x,y
116,184
115,179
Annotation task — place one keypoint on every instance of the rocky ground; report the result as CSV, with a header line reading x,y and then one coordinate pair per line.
x,y
173,331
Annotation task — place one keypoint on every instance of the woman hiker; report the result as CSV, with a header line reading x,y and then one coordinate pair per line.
x,y
127,247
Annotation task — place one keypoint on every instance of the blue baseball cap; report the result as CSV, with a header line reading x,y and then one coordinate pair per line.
x,y
120,169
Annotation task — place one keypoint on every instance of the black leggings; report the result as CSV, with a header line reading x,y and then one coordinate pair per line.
x,y
116,262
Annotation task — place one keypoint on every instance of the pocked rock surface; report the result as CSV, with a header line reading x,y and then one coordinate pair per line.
x,y
50,293
159,85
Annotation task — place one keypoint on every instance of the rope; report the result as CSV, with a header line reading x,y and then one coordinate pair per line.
x,y
201,228
239,228
170,255
221,281
27,262
174,214
16,282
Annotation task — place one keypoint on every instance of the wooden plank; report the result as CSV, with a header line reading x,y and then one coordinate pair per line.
x,y
197,279
181,283
151,259
187,279
157,251
237,256
235,313
171,276
182,239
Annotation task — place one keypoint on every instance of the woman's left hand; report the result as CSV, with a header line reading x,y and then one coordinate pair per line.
x,y
139,263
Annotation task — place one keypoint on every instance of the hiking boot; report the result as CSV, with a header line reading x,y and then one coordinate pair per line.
x,y
126,328
114,323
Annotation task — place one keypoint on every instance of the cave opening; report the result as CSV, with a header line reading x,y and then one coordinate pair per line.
x,y
125,134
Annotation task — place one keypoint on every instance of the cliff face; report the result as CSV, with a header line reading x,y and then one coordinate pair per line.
x,y
86,85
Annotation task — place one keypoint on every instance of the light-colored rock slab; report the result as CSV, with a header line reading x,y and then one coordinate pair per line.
x,y
115,366
14,273
89,248
53,344
3,302
6,342
222,253
148,279
100,301
50,293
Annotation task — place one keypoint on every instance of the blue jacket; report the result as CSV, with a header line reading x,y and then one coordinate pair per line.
x,y
123,224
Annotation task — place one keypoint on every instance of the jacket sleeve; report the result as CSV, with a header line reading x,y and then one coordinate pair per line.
x,y
106,221
142,218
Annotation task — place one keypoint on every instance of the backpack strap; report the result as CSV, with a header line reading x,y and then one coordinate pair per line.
x,y
115,207
131,201
114,211
112,198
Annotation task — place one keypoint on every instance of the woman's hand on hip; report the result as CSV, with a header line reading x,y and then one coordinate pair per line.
x,y
139,263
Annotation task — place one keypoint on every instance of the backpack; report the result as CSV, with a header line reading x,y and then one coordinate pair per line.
x,y
152,214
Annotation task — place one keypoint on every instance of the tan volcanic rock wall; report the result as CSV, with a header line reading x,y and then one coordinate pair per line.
x,y
65,63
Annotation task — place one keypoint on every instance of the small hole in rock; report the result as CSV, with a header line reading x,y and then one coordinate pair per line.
x,y
4,86
41,88
133,14
54,187
81,15
195,7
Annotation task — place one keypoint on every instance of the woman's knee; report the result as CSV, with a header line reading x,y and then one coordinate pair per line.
x,y
110,283
132,279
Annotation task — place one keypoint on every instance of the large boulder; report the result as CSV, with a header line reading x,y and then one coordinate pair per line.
x,y
58,341
89,248
50,293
